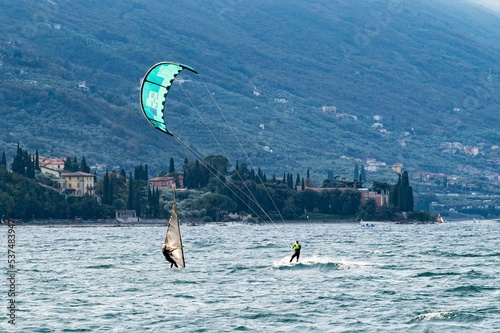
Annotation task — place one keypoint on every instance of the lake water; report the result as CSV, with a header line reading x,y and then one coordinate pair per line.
x,y
387,278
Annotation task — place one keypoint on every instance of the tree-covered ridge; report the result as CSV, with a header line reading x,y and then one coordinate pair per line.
x,y
408,82
217,189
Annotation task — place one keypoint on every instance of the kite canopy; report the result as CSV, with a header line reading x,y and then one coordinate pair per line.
x,y
154,90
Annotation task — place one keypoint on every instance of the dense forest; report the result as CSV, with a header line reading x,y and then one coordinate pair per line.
x,y
402,82
211,192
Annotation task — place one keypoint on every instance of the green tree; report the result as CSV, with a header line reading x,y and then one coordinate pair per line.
x,y
308,200
363,174
3,161
83,166
68,164
18,164
216,205
37,161
171,168
130,200
105,185
369,210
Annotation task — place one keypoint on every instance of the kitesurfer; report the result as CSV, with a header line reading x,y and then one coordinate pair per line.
x,y
166,252
296,251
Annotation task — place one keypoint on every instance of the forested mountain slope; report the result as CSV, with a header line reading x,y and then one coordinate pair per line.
x,y
414,82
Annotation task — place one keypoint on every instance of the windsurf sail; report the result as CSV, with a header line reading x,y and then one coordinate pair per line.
x,y
440,219
173,237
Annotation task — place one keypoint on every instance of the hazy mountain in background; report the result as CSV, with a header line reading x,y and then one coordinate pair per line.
x,y
302,85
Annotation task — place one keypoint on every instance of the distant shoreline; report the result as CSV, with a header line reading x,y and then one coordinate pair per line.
x,y
162,222
191,223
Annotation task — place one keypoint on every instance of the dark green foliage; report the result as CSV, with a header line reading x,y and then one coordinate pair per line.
x,y
130,200
171,168
379,71
106,190
422,216
241,190
141,172
3,161
23,164
37,161
362,174
216,205
401,196
21,197
83,166
68,165
369,211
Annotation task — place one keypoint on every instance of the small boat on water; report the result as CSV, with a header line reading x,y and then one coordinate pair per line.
x,y
374,223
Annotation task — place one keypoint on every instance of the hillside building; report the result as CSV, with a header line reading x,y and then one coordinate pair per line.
x,y
164,183
77,183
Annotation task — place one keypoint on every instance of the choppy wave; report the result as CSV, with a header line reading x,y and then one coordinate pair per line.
x,y
457,316
318,263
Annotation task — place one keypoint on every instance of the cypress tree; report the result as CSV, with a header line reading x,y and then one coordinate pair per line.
x,y
401,198
3,161
30,167
394,196
105,185
138,207
136,172
356,171
150,201
409,199
130,201
37,161
197,174
27,164
363,174
75,165
259,176
18,163
404,197
297,180
83,166
111,191
171,168
67,164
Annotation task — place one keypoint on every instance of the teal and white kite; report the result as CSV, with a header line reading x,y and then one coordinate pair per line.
x,y
154,90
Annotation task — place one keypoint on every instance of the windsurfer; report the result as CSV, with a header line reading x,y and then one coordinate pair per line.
x,y
166,252
296,251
